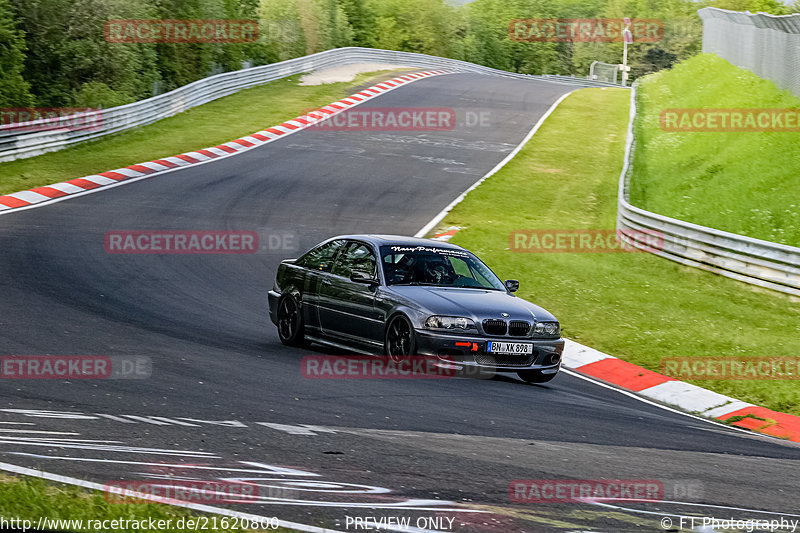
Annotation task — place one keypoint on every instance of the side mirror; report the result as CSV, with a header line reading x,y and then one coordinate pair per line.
x,y
512,285
360,276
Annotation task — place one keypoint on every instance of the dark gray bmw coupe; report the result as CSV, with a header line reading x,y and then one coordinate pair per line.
x,y
398,296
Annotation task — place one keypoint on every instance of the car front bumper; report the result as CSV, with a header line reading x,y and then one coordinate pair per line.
x,y
470,351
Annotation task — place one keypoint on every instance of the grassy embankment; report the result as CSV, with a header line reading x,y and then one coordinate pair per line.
x,y
636,306
742,182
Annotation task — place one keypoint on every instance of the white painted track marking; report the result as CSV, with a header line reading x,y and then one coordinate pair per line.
x,y
297,430
31,431
193,506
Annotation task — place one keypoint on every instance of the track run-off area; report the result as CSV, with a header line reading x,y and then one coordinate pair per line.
x,y
224,400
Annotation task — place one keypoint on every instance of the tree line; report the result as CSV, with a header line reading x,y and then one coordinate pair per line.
x,y
53,53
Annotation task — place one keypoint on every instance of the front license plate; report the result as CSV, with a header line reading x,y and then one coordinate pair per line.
x,y
509,347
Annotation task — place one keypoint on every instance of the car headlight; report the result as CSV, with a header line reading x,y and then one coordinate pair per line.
x,y
547,329
450,323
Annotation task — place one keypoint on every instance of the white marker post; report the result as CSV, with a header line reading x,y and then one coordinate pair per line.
x,y
627,37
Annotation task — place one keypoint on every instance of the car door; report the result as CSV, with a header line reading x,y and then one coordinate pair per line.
x,y
317,264
347,308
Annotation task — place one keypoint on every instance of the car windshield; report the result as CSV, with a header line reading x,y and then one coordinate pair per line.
x,y
439,267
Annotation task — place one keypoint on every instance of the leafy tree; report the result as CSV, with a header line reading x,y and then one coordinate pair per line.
x,y
67,49
183,63
361,20
14,90
282,35
423,26
70,63
98,94
46,66
774,7
232,56
325,25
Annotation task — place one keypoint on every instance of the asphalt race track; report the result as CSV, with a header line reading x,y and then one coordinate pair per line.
x,y
230,400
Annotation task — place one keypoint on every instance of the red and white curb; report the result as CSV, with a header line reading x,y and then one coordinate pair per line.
x,y
685,396
642,383
446,234
667,390
61,191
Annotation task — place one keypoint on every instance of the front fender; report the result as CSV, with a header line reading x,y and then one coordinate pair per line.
x,y
415,315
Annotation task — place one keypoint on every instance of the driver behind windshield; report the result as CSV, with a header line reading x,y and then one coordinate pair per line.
x,y
432,269
416,266
436,270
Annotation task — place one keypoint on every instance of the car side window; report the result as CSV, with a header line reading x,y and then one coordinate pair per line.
x,y
356,256
321,258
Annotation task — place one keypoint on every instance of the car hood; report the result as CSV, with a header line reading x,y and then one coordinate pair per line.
x,y
474,303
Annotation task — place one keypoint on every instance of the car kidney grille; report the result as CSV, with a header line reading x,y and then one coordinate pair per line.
x,y
494,326
519,328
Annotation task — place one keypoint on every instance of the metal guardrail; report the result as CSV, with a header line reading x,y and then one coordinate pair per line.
x,y
768,45
763,263
16,143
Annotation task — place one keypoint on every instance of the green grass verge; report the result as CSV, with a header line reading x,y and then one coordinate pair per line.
x,y
742,182
24,498
635,306
207,125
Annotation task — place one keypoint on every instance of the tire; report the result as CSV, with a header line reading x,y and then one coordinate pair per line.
x,y
290,321
535,376
399,341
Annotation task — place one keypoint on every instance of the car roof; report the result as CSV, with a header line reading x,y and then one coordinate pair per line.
x,y
399,240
